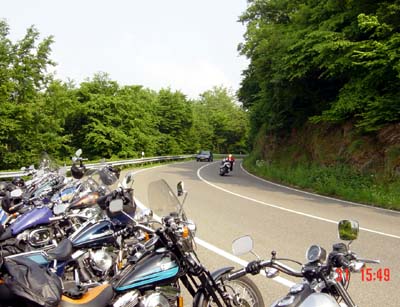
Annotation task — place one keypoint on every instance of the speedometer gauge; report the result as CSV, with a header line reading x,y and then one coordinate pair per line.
x,y
316,253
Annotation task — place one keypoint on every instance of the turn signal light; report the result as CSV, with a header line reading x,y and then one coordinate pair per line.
x,y
185,232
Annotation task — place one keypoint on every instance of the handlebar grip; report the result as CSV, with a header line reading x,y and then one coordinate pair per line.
x,y
101,201
237,274
254,267
339,260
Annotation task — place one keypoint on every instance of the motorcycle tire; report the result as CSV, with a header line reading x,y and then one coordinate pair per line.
x,y
247,290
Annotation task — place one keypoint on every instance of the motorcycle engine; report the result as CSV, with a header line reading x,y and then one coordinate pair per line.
x,y
40,237
163,296
155,299
100,261
129,299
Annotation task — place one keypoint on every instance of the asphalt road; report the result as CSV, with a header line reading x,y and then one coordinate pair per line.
x,y
280,219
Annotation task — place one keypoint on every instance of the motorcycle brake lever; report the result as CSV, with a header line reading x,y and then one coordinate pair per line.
x,y
369,260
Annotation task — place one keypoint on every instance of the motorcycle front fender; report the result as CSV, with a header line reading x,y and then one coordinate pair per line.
x,y
218,273
198,299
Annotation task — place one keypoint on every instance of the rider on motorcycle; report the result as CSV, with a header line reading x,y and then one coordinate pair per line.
x,y
231,160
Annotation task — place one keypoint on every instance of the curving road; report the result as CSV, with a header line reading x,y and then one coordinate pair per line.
x,y
280,219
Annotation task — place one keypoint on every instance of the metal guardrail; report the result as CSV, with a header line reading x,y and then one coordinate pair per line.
x,y
114,163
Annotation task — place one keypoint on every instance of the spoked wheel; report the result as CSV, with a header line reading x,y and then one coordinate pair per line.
x,y
243,292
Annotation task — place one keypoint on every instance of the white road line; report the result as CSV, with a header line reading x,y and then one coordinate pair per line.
x,y
286,209
317,195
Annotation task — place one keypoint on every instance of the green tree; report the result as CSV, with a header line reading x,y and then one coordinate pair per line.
x,y
23,76
140,121
221,121
174,118
321,60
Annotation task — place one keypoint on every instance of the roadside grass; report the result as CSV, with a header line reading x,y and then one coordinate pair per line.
x,y
338,181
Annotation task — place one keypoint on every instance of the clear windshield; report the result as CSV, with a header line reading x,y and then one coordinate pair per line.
x,y
100,180
162,200
47,163
105,176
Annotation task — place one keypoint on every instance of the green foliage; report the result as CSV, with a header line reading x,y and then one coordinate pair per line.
x,y
174,121
323,60
221,124
23,76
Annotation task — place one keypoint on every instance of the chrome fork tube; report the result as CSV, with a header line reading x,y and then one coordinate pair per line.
x,y
344,294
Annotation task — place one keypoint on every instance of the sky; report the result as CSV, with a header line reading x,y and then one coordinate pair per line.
x,y
186,45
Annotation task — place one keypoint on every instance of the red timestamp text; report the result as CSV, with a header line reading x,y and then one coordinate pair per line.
x,y
343,275
367,274
381,274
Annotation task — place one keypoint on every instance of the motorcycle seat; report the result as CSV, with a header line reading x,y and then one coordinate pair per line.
x,y
62,251
7,234
99,296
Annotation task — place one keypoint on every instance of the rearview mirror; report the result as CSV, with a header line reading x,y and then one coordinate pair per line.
x,y
242,245
116,205
128,180
78,152
348,230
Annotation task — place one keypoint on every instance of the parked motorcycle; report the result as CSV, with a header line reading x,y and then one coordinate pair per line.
x,y
96,251
326,277
169,260
19,195
43,224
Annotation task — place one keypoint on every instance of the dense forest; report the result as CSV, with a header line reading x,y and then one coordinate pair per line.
x,y
321,60
322,93
40,113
